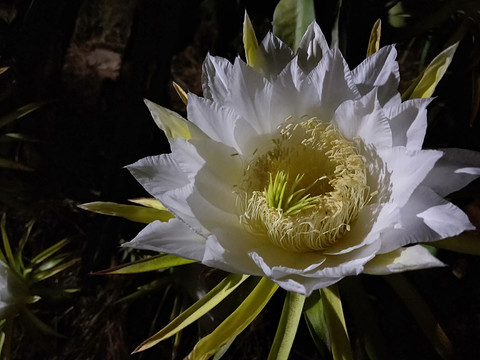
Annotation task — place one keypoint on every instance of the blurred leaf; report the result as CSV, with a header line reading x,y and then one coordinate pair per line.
x,y
21,112
21,245
6,245
21,137
10,164
148,202
374,41
236,322
196,311
253,53
51,263
424,85
39,276
163,283
422,314
157,262
364,317
291,19
181,93
4,238
337,328
39,324
130,212
316,322
3,69
287,327
466,243
45,254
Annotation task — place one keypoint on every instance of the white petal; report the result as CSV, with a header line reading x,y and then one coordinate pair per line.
x,y
364,118
277,54
218,122
216,78
456,169
312,47
158,174
408,168
366,229
400,260
408,122
420,224
293,94
379,70
227,249
172,237
334,83
305,286
250,96
163,178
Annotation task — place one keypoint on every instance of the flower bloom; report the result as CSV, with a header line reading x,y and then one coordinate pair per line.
x,y
302,170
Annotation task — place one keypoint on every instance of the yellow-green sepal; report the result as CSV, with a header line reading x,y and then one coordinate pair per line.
x,y
236,322
337,328
374,41
254,54
140,214
424,85
152,263
172,124
291,19
287,327
196,311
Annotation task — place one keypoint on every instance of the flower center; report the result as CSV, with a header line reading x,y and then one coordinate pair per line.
x,y
304,192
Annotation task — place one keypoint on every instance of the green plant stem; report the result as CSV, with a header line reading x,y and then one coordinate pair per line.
x,y
287,327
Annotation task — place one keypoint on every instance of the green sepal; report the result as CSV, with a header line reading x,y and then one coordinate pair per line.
x,y
153,263
316,323
291,19
139,214
287,327
466,243
39,324
236,322
424,85
422,314
254,54
374,41
196,311
172,124
337,328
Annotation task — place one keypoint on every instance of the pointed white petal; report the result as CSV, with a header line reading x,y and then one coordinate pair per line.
x,y
408,168
425,217
216,78
456,169
220,123
250,96
277,55
172,237
381,71
312,47
408,121
403,259
334,83
364,118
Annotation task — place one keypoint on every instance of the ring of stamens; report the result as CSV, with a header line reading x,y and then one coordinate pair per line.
x,y
305,191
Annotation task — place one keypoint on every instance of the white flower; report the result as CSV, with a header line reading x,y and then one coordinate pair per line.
x,y
302,170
